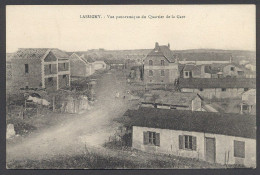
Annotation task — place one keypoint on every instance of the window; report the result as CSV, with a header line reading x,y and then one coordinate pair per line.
x,y
245,107
50,68
162,62
150,73
186,74
232,68
64,65
187,142
239,149
150,62
162,72
64,76
201,89
151,138
245,89
223,89
26,66
50,79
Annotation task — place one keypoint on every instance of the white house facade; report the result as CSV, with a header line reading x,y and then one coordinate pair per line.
x,y
213,148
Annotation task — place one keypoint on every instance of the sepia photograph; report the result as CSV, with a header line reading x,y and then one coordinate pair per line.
x,y
131,86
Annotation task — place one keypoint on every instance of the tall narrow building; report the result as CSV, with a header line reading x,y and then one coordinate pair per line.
x,y
160,65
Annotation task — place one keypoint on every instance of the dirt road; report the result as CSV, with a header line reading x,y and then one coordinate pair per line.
x,y
91,128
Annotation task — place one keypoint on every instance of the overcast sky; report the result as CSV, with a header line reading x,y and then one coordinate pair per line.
x,y
204,26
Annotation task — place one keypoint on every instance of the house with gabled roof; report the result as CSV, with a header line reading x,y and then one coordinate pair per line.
x,y
172,100
226,139
191,70
228,70
81,66
160,65
217,87
40,68
248,102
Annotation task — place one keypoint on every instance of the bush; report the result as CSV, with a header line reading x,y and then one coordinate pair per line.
x,y
22,128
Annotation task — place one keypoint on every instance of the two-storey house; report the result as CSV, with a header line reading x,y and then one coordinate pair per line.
x,y
160,66
40,68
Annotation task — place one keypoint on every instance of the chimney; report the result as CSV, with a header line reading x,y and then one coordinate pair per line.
x,y
156,45
169,45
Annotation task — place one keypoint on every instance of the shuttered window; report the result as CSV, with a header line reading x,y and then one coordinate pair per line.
x,y
239,149
146,138
187,142
157,139
151,138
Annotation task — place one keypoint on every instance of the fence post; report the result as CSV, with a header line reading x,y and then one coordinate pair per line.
x,y
53,103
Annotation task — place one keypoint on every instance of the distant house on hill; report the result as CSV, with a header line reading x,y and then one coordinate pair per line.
x,y
248,104
81,66
213,137
40,68
228,70
192,70
204,58
172,100
160,65
217,87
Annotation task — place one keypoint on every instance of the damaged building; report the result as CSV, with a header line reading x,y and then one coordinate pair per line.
x,y
40,68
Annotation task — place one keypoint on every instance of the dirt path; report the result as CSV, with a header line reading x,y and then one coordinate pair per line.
x,y
91,128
